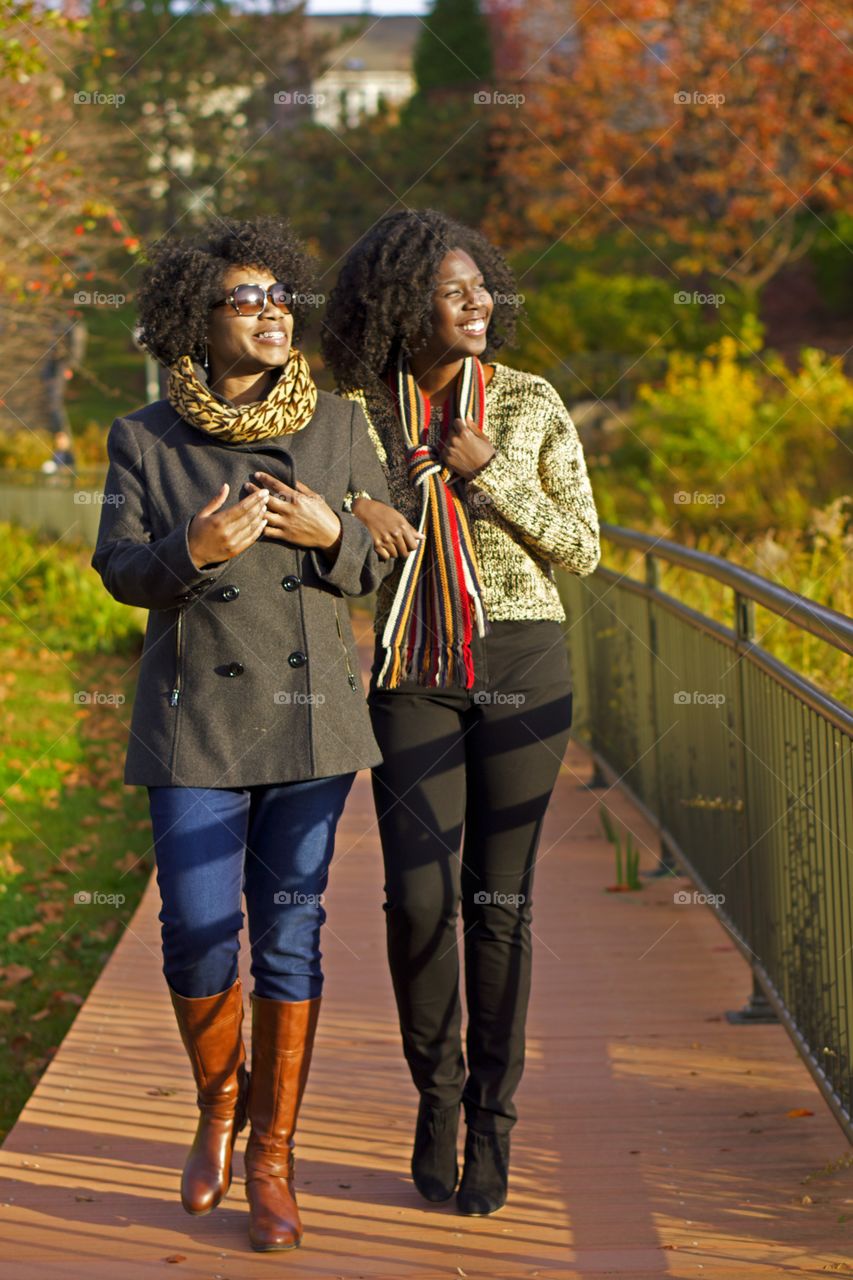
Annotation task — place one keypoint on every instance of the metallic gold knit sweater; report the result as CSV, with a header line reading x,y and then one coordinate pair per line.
x,y
530,508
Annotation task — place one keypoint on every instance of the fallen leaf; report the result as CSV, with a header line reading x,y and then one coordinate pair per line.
x,y
12,974
24,931
796,1112
50,911
176,1257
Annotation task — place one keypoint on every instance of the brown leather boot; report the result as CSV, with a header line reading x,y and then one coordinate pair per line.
x,y
211,1028
282,1040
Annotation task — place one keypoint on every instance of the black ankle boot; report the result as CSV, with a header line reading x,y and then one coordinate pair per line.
x,y
486,1173
434,1166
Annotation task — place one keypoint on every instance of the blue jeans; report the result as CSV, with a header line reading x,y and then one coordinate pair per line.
x,y
273,843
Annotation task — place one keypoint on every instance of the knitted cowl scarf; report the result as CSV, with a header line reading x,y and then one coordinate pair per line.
x,y
289,406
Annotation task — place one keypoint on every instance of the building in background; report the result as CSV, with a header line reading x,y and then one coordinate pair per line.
x,y
368,71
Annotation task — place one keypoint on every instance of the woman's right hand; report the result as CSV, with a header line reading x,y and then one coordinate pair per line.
x,y
391,533
216,535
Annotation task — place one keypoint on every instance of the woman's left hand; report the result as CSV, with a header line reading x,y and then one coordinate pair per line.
x,y
299,515
466,450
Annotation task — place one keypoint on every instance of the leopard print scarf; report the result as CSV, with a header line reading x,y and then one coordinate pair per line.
x,y
288,407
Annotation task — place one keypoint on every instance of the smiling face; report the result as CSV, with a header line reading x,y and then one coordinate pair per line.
x,y
240,346
461,310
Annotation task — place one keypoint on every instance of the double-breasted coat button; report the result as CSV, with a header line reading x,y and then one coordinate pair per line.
x,y
184,597
298,659
229,593
234,669
291,582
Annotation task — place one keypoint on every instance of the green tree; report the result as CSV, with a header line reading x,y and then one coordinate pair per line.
x,y
454,48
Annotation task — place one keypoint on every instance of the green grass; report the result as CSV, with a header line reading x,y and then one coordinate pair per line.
x,y
67,823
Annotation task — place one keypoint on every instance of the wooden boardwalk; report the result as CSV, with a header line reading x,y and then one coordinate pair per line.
x,y
654,1137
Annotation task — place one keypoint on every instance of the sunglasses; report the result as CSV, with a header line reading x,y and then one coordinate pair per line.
x,y
251,299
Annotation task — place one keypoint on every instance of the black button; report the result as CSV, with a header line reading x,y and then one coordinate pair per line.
x,y
184,597
298,659
234,669
229,593
291,582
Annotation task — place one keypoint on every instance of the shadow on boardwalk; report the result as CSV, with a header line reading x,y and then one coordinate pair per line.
x,y
653,1141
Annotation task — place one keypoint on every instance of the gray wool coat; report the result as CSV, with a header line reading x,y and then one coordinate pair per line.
x,y
249,673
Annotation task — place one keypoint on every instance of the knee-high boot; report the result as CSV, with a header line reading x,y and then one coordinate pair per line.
x,y
211,1029
282,1041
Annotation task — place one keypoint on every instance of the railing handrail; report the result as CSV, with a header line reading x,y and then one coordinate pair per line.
x,y
829,625
27,476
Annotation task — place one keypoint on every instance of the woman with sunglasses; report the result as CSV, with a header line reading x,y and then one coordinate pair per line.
x,y
249,721
470,690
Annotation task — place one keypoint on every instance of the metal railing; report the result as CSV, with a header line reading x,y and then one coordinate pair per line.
x,y
62,504
744,767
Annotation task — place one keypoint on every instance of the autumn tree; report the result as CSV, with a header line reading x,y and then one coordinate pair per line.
x,y
714,133
59,220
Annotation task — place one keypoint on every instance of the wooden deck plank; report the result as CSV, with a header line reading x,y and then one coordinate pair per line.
x,y
653,1138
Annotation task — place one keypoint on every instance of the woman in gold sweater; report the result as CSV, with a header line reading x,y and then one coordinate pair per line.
x,y
470,695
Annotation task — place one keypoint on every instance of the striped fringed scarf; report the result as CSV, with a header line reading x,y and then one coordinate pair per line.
x,y
428,633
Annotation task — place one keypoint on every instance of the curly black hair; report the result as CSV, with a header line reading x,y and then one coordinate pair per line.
x,y
383,296
184,276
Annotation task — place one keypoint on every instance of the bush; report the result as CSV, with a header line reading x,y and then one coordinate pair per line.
x,y
728,438
54,591
590,332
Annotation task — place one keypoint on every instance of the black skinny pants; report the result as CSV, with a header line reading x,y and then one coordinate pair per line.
x,y
486,760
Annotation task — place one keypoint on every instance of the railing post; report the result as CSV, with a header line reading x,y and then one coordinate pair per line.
x,y
757,1008
667,866
598,781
